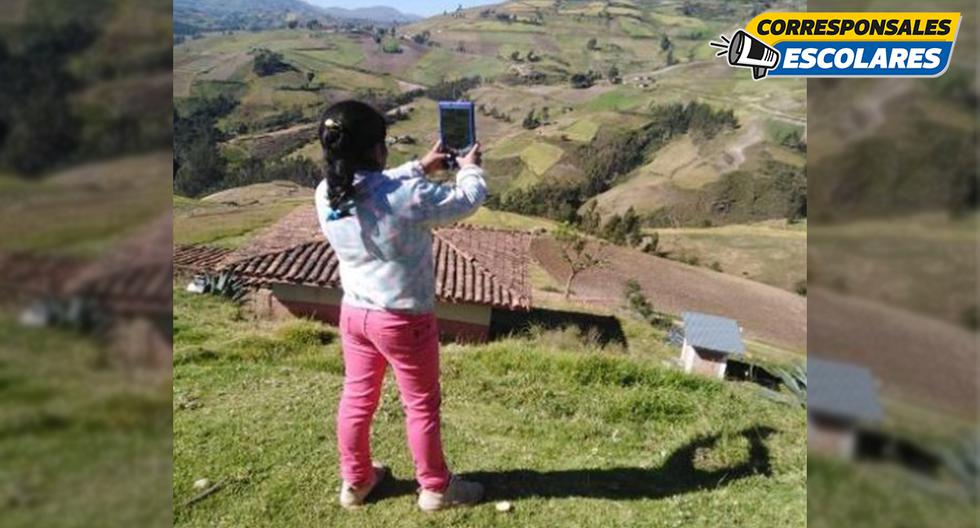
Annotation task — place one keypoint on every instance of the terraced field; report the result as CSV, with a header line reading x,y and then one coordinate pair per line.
x,y
659,50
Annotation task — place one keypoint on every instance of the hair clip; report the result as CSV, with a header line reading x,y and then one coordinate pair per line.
x,y
330,124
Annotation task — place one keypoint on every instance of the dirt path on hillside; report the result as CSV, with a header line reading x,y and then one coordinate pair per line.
x,y
868,114
765,312
297,129
734,156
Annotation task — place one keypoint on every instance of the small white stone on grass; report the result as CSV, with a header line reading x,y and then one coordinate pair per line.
x,y
201,484
504,506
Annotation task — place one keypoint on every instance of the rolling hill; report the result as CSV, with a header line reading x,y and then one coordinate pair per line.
x,y
378,14
526,52
195,16
552,148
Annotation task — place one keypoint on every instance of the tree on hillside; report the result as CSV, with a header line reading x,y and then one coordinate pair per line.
x,y
293,24
269,63
592,44
531,121
576,252
613,74
581,80
665,43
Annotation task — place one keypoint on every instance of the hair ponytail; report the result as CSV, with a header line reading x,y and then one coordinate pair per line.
x,y
349,133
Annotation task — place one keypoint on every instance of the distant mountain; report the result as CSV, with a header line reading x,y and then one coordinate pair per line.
x,y
225,7
377,14
191,16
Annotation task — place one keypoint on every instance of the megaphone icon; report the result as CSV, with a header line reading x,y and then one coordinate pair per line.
x,y
748,52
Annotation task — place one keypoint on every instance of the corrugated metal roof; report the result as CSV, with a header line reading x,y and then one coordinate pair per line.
x,y
713,332
842,390
481,266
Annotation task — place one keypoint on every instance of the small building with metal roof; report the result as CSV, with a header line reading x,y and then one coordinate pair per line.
x,y
708,342
841,399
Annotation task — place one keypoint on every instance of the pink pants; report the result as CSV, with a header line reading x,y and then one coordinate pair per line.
x,y
372,340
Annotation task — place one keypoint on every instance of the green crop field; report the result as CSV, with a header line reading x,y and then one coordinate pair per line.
x,y
540,156
582,130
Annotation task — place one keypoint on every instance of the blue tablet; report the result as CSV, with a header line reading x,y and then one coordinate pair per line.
x,y
457,125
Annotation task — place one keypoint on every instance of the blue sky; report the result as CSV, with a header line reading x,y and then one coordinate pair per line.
x,y
416,7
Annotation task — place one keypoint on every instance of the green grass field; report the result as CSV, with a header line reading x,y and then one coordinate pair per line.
x,y
82,444
503,220
198,222
86,209
769,252
567,431
841,494
582,130
540,156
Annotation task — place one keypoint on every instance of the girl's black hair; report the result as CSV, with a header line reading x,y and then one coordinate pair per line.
x,y
349,133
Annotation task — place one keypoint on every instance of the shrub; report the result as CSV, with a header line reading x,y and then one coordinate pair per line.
x,y
305,332
531,121
454,89
269,63
581,80
391,46
638,303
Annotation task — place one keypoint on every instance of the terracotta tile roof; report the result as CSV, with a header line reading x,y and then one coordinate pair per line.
x,y
199,259
34,275
297,227
505,252
473,265
135,276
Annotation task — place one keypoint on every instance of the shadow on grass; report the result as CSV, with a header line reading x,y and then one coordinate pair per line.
x,y
676,476
605,329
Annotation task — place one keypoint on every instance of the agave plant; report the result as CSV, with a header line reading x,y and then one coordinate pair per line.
x,y
223,284
794,379
963,462
791,377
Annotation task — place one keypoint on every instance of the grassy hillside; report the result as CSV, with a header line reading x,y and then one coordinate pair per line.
x,y
526,53
227,218
85,209
771,252
880,496
612,428
82,444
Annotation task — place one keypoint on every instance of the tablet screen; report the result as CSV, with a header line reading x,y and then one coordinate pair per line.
x,y
455,122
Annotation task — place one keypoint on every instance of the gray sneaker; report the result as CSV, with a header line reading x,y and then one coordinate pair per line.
x,y
351,497
458,493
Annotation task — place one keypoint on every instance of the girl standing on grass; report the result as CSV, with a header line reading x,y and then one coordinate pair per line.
x,y
379,224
